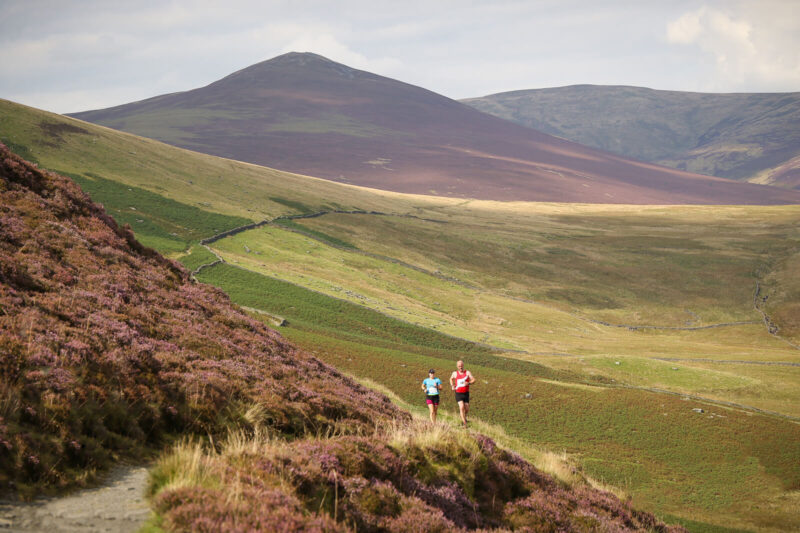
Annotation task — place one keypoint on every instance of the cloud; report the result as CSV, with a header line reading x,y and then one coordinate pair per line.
x,y
752,49
687,29
321,39
94,49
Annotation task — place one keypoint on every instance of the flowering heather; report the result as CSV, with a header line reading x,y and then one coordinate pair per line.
x,y
453,482
107,349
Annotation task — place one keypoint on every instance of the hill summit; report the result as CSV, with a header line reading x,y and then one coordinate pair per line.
x,y
303,113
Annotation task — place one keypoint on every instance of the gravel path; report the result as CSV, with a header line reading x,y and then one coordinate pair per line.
x,y
118,505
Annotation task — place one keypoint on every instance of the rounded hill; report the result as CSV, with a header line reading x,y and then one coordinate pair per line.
x,y
306,114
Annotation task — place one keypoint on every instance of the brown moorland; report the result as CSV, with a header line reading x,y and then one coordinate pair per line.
x,y
303,113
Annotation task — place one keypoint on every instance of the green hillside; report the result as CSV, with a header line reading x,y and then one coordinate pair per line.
x,y
739,136
547,303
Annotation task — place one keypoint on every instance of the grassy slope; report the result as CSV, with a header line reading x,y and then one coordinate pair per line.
x,y
613,431
689,266
189,178
160,222
730,135
489,315
608,435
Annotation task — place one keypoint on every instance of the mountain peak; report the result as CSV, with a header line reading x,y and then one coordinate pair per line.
x,y
300,62
300,59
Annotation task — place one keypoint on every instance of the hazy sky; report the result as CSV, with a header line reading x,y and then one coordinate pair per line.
x,y
68,56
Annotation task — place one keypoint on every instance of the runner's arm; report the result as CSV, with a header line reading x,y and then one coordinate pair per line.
x,y
470,378
452,377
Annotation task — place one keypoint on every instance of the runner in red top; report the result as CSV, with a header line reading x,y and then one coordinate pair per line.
x,y
459,382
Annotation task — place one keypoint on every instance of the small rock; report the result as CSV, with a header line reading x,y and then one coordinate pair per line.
x,y
616,362
698,410
674,368
528,395
5,523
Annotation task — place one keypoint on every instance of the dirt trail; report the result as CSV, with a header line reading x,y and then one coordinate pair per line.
x,y
117,505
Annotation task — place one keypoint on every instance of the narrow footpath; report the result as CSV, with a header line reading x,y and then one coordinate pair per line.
x,y
117,505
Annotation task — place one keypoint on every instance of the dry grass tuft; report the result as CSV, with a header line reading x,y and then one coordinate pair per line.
x,y
186,465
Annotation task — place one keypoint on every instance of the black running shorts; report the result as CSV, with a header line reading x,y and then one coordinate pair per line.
x,y
462,397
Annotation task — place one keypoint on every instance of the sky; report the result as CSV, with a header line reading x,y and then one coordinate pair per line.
x,y
68,56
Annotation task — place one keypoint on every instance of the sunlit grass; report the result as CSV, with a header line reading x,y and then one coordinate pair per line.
x,y
185,466
559,465
651,446
489,316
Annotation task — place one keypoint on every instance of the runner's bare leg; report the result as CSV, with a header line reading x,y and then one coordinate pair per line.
x,y
463,408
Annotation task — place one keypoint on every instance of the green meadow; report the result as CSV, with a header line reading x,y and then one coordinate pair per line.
x,y
566,314
464,302
652,446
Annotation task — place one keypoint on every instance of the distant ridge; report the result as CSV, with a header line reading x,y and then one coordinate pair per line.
x,y
304,113
742,136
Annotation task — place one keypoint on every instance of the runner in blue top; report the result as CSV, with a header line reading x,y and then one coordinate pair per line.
x,y
432,385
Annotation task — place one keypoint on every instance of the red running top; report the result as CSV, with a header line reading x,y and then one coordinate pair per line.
x,y
462,383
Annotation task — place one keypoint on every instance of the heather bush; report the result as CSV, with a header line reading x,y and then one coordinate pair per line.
x,y
108,350
400,478
212,511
